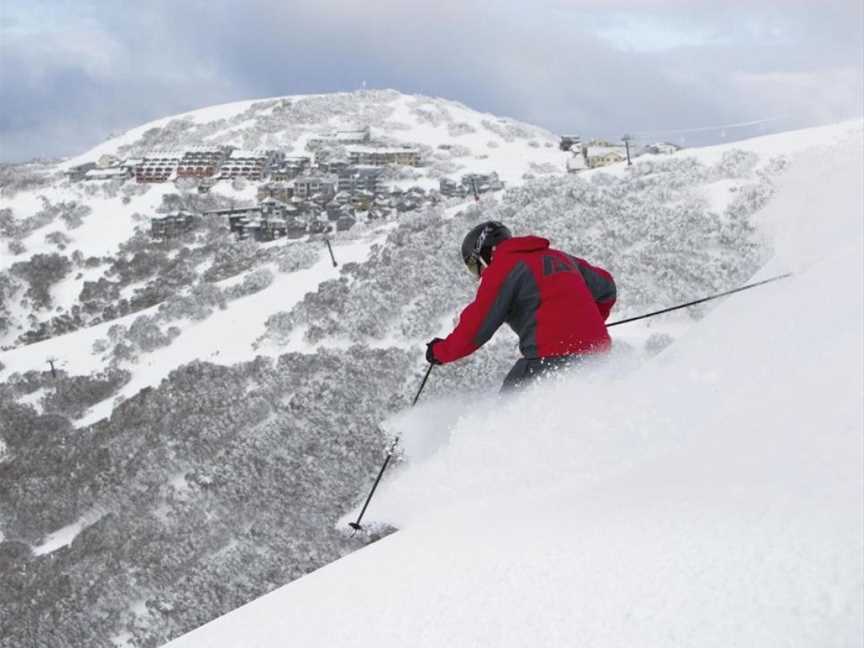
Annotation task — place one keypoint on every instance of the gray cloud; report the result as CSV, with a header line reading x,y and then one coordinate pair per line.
x,y
72,73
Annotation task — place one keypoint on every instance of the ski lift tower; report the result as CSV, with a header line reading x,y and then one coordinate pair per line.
x,y
627,139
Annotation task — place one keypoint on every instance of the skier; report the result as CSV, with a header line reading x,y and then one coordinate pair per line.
x,y
556,303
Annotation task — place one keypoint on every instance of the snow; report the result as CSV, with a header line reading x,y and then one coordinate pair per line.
x,y
65,536
712,496
33,399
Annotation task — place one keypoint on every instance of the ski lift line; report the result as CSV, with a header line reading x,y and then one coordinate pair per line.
x,y
704,129
700,301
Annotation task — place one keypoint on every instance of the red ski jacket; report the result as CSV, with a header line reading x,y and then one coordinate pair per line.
x,y
557,304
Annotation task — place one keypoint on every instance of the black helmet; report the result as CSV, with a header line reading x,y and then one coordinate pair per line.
x,y
478,244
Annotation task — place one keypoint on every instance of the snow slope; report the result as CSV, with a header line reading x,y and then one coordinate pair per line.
x,y
454,139
494,143
711,497
226,337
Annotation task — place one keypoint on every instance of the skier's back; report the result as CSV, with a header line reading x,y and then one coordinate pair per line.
x,y
556,303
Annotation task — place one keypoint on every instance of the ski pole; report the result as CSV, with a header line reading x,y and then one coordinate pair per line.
x,y
700,301
356,524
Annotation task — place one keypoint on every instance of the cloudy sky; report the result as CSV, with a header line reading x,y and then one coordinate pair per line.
x,y
74,71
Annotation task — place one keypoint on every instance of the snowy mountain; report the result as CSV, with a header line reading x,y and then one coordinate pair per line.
x,y
711,496
215,406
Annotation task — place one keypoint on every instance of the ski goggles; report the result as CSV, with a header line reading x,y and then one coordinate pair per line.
x,y
475,266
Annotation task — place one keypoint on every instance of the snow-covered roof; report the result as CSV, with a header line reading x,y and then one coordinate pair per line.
x,y
164,153
316,178
240,153
203,149
106,173
606,150
371,150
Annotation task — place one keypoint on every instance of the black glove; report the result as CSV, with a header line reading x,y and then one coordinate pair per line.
x,y
430,355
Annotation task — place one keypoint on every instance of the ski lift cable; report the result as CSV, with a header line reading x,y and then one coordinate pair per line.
x,y
705,129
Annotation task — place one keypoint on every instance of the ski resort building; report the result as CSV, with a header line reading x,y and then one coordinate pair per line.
x,y
114,173
172,225
354,179
77,173
481,182
289,168
603,155
307,186
158,166
273,208
250,165
570,142
132,165
370,156
201,162
265,229
341,138
661,148
283,191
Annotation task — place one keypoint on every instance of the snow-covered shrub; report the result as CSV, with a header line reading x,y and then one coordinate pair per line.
x,y
112,188
460,128
774,167
145,333
231,259
72,213
96,295
8,225
507,129
41,272
139,265
459,151
123,352
544,167
169,136
254,282
58,238
736,164
431,114
15,178
443,168
396,126
135,189
16,248
278,327
292,258
198,304
73,395
258,448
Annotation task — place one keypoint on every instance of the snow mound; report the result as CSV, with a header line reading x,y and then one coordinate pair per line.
x,y
712,497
